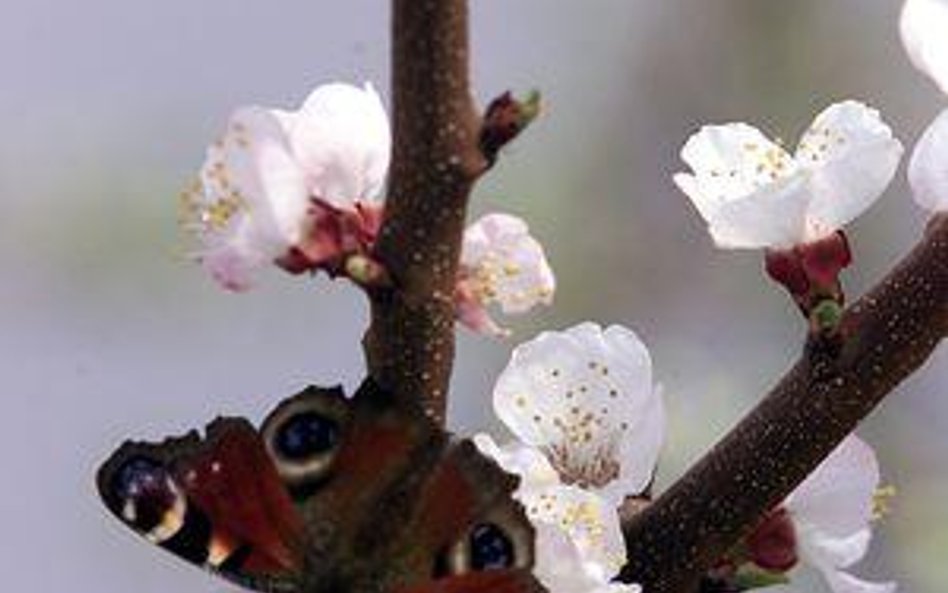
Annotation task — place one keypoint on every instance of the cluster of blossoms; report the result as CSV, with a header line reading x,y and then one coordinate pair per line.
x,y
300,189
753,193
589,423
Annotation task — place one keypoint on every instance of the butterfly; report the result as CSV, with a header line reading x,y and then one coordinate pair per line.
x,y
331,494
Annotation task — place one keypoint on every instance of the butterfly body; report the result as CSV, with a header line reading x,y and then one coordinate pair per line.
x,y
331,494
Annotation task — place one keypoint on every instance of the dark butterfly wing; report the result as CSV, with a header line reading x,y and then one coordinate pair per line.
x,y
217,502
468,520
498,581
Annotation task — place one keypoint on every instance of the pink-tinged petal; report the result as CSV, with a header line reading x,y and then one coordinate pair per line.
x,y
472,314
249,205
836,500
502,263
746,187
851,156
261,162
585,398
928,169
233,266
923,25
342,141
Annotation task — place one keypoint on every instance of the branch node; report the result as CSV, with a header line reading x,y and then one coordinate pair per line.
x,y
505,119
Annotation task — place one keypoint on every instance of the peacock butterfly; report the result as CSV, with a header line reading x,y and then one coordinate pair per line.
x,y
331,494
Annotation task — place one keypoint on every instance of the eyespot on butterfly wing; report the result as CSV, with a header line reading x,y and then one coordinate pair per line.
x,y
332,494
216,502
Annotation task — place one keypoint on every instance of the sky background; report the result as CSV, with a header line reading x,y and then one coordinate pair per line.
x,y
107,332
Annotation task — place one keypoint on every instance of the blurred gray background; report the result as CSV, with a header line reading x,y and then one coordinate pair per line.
x,y
107,332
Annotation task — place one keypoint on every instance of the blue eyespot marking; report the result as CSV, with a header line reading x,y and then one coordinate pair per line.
x,y
491,549
305,436
146,492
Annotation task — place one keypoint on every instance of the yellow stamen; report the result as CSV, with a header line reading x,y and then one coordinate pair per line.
x,y
882,502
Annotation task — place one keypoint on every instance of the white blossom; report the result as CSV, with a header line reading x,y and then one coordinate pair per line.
x,y
578,546
923,26
832,512
753,193
585,398
928,168
252,200
501,263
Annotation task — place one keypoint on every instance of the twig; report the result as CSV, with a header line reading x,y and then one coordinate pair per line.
x,y
887,335
441,147
410,344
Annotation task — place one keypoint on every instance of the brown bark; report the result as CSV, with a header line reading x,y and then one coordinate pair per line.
x,y
438,143
410,343
887,335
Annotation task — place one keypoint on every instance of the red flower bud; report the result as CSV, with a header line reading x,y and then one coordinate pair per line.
x,y
784,266
823,260
773,544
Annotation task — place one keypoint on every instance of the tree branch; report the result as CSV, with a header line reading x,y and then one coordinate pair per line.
x,y
410,344
887,335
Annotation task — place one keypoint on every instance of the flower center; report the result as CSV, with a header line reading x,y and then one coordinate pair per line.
x,y
588,468
487,276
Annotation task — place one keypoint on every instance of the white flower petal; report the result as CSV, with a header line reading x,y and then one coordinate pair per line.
x,y
342,141
775,216
585,397
504,264
233,264
923,25
249,205
852,157
830,552
589,523
753,194
272,177
928,169
836,499
521,460
746,187
832,510
842,582
639,454
475,316
732,161
579,544
559,565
